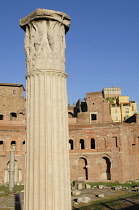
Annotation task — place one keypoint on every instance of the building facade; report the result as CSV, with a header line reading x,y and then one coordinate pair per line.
x,y
100,149
12,130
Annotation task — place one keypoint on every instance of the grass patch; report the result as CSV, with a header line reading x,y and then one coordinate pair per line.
x,y
113,184
5,189
118,202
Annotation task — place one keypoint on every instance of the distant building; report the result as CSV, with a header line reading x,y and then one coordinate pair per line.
x,y
121,108
101,148
12,130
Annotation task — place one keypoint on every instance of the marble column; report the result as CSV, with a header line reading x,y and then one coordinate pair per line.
x,y
47,184
11,172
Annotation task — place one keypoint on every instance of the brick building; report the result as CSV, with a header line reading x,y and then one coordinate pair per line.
x,y
100,149
12,130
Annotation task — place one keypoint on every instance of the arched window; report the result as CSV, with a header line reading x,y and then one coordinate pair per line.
x,y
13,145
14,92
92,143
114,142
13,116
1,117
21,116
102,143
71,146
82,144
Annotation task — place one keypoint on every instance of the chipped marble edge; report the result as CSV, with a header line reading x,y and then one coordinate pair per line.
x,y
45,14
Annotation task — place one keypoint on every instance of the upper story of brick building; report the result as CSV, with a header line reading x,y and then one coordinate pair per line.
x,y
12,102
103,106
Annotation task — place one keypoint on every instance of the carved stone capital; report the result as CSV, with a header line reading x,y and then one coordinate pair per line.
x,y
45,39
45,14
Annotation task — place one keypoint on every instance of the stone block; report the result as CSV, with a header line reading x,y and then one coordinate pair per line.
x,y
87,186
76,192
83,200
80,186
100,195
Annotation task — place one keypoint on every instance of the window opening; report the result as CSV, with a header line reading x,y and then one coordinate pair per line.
x,y
71,144
13,116
82,144
1,117
14,92
93,116
92,143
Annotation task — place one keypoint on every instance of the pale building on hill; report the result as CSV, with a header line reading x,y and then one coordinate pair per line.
x,y
121,108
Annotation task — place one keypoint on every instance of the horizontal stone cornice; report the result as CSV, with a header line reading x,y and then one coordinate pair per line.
x,y
47,72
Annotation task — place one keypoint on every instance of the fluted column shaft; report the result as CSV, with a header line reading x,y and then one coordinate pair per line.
x,y
47,162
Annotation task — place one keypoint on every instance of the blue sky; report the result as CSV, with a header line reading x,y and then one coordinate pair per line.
x,y
102,44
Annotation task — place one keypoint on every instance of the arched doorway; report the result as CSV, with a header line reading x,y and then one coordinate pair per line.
x,y
106,172
82,169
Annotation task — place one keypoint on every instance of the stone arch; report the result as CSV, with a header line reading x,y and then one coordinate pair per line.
x,y
21,116
105,168
103,143
82,169
71,144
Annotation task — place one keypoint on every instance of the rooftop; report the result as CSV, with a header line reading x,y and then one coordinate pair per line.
x,y
12,85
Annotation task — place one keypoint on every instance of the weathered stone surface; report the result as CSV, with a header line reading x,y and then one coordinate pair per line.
x,y
101,186
79,186
46,14
88,186
76,192
83,200
47,168
117,188
45,40
100,195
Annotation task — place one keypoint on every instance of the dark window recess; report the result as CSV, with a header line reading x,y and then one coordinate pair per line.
x,y
1,117
93,116
14,92
13,116
82,144
92,143
71,144
1,142
13,143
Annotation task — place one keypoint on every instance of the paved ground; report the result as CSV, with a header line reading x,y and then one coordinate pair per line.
x,y
12,202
